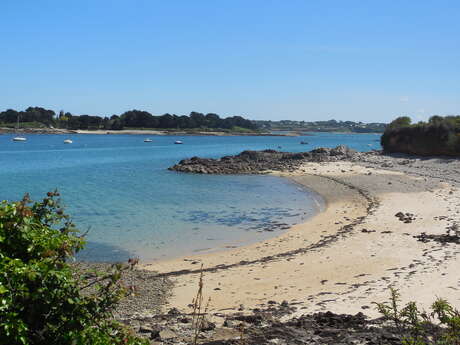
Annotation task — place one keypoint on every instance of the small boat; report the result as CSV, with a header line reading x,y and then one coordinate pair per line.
x,y
148,140
18,138
304,142
68,141
178,142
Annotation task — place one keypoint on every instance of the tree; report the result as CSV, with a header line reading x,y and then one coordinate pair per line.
x,y
402,121
167,121
436,120
43,299
212,120
440,136
9,116
39,114
131,118
198,119
136,118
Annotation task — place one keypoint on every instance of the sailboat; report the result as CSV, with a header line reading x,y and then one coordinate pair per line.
x,y
19,138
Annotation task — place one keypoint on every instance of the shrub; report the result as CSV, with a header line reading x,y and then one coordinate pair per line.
x,y
415,327
439,136
43,299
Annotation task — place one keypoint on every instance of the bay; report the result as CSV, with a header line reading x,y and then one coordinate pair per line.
x,y
119,189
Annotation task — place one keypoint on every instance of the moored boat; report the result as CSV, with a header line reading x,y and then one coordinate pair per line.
x,y
19,138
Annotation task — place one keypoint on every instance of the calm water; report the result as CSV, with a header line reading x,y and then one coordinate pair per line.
x,y
119,188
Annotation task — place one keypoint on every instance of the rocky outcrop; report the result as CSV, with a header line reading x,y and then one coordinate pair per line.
x,y
248,162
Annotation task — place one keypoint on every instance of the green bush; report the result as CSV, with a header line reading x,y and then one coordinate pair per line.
x,y
441,326
438,136
43,299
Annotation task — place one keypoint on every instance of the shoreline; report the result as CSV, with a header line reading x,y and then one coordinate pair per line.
x,y
314,233
275,232
342,259
7,130
327,199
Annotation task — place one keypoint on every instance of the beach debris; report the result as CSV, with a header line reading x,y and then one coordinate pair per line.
x,y
453,230
443,239
405,217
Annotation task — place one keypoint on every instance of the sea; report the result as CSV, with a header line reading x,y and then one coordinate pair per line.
x,y
117,188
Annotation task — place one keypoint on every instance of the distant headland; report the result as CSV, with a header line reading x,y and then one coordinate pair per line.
x,y
41,120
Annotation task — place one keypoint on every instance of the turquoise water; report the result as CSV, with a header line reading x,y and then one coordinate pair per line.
x,y
119,188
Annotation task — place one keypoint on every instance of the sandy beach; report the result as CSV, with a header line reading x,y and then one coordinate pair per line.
x,y
346,257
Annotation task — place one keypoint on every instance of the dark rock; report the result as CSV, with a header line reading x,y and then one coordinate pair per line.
x,y
252,318
173,311
260,161
207,326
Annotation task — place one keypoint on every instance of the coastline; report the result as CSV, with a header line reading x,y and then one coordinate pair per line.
x,y
294,133
7,130
344,258
184,133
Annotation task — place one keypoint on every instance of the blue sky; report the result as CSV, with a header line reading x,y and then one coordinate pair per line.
x,y
286,59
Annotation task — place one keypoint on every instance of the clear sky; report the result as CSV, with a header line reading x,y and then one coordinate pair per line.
x,y
286,59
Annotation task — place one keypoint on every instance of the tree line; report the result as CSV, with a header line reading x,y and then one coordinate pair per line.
x,y
439,136
129,119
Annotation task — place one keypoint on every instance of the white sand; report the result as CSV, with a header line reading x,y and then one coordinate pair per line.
x,y
355,269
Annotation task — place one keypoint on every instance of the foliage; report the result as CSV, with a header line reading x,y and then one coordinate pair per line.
x,y
129,119
440,327
402,121
438,136
43,300
31,114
